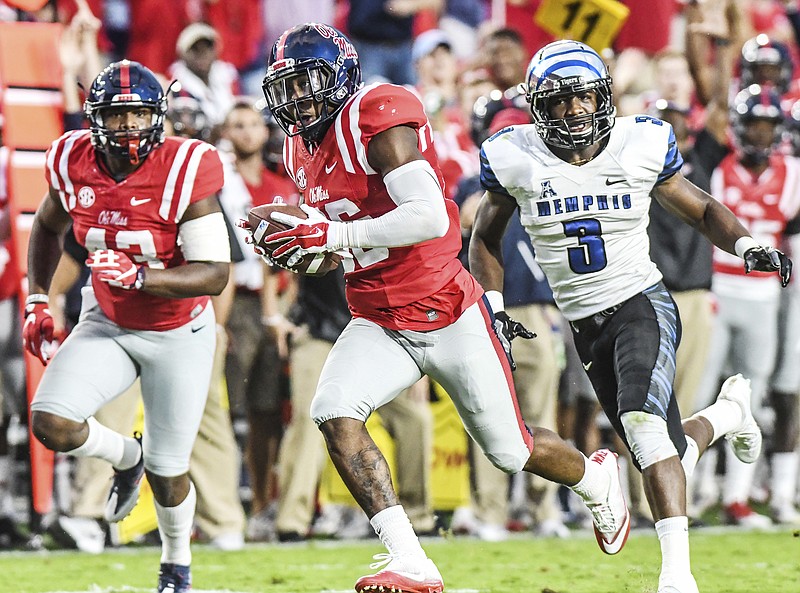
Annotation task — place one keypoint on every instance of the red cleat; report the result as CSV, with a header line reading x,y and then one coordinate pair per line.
x,y
403,574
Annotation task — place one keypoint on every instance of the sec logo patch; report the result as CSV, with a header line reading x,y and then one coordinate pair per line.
x,y
86,196
300,176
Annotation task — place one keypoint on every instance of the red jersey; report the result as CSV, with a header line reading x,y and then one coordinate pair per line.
x,y
417,287
9,276
138,216
764,205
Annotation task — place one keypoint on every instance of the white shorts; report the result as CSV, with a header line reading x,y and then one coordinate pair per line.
x,y
370,365
100,360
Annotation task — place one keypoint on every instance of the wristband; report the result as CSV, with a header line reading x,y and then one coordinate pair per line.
x,y
37,298
745,244
495,298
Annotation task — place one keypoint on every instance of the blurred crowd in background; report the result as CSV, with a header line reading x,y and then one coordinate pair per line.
x,y
259,458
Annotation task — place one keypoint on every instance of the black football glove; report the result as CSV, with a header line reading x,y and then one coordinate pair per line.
x,y
767,259
507,329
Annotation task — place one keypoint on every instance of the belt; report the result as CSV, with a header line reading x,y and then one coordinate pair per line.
x,y
595,322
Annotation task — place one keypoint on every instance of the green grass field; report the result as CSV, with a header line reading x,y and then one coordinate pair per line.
x,y
723,562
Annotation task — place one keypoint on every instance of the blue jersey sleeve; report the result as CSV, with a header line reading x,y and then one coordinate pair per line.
x,y
489,180
673,161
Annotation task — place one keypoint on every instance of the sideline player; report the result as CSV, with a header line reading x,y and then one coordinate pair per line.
x,y
145,208
582,180
364,157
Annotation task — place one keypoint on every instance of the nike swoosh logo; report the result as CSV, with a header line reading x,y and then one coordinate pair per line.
x,y
616,181
138,202
331,168
587,366
197,329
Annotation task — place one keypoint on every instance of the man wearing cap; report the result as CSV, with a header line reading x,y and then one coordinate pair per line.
x,y
202,75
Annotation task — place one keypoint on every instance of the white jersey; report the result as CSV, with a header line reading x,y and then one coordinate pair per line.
x,y
588,223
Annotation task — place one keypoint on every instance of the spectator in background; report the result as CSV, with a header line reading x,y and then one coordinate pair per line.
x,y
520,18
436,69
437,86
255,359
202,75
383,34
152,28
461,20
504,56
240,24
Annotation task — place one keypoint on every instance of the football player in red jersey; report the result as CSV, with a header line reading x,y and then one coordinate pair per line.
x,y
364,162
145,208
761,186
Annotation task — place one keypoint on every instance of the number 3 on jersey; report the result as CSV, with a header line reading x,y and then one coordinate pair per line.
x,y
591,255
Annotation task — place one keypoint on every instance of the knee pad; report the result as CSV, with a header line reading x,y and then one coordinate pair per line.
x,y
648,438
690,457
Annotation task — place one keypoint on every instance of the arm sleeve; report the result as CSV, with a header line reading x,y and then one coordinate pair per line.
x,y
420,214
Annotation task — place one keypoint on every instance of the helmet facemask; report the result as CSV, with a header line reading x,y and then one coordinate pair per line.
x,y
132,145
312,71
126,86
557,131
304,98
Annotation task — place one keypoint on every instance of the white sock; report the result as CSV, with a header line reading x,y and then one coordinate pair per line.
x,y
103,443
724,416
395,531
594,484
673,535
783,479
175,528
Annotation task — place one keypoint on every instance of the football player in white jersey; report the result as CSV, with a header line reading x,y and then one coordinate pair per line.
x,y
582,180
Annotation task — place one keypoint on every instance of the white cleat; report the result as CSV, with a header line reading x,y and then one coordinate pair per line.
x,y
611,518
745,440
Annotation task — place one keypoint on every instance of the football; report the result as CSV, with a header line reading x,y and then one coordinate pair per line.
x,y
313,264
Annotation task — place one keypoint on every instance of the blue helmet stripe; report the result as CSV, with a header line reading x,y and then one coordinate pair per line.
x,y
579,64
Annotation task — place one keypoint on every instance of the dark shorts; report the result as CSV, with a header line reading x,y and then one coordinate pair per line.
x,y
629,350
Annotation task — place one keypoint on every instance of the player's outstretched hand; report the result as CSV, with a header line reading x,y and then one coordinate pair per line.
x,y
38,328
507,329
767,259
114,268
309,235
